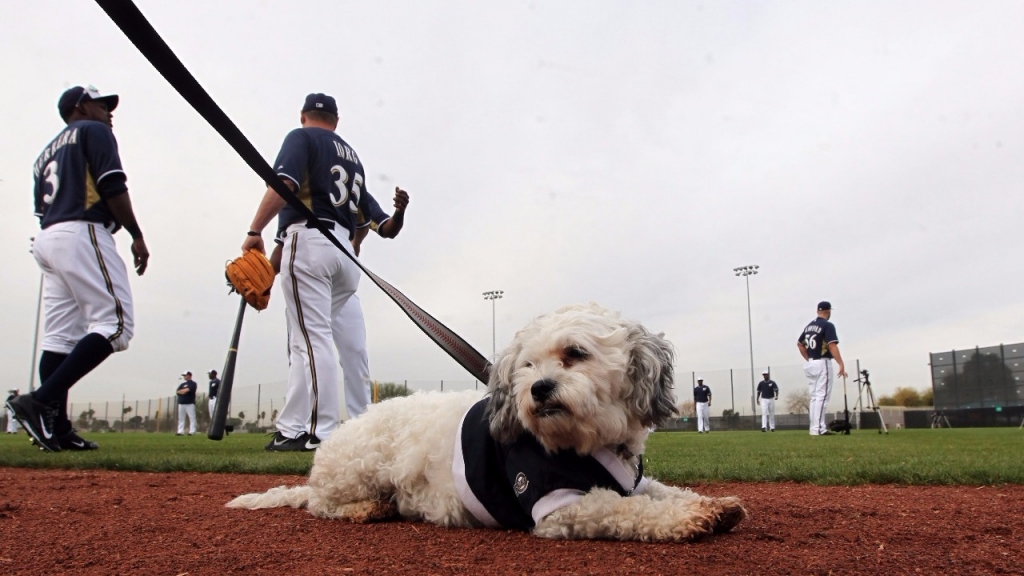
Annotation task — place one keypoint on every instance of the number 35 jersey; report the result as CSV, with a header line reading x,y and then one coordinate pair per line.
x,y
68,173
817,336
328,175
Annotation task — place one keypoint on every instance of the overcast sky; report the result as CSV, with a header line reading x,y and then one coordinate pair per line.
x,y
633,154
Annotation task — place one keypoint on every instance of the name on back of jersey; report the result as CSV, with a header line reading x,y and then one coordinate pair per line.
x,y
345,152
68,136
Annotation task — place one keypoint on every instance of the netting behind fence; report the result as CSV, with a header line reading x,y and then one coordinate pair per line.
x,y
255,407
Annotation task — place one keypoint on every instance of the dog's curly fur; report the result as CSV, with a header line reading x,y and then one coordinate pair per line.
x,y
609,381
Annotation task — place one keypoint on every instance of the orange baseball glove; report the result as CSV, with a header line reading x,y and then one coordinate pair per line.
x,y
252,276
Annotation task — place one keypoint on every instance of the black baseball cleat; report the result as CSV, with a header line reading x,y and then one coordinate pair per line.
x,y
312,443
72,441
763,430
37,419
304,443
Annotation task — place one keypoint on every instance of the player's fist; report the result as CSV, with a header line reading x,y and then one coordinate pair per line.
x,y
401,199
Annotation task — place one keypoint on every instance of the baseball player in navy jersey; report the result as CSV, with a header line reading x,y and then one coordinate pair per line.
x,y
186,394
212,391
767,394
702,400
81,199
819,344
317,279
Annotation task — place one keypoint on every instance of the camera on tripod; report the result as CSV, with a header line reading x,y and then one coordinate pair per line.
x,y
863,378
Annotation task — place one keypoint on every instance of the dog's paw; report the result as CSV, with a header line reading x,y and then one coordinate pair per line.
x,y
371,511
728,513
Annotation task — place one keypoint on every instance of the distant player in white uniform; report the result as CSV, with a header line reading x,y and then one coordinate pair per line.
x,y
81,199
213,389
317,279
12,422
819,344
702,401
767,393
186,394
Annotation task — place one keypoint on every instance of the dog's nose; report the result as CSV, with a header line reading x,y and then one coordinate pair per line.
x,y
541,389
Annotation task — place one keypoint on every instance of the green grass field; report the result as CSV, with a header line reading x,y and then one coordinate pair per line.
x,y
971,456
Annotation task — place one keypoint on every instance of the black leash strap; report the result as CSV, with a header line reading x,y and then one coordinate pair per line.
x,y
130,20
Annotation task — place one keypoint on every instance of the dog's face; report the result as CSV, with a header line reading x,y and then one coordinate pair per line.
x,y
581,378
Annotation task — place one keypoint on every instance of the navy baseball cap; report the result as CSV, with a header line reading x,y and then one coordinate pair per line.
x,y
74,96
321,102
824,305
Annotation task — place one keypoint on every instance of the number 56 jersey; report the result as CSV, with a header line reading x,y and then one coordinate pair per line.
x,y
817,336
68,173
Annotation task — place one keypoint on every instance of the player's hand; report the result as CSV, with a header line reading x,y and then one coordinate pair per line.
x,y
141,255
253,243
401,199
842,372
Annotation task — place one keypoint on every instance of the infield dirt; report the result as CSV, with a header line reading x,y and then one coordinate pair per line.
x,y
101,522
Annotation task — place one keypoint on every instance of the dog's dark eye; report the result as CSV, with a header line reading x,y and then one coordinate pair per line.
x,y
573,354
528,364
576,352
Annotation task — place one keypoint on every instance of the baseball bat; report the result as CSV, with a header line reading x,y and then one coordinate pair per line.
x,y
220,410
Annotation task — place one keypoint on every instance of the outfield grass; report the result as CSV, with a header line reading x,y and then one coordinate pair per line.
x,y
972,456
161,452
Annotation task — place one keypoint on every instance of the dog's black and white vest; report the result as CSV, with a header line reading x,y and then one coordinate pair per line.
x,y
516,485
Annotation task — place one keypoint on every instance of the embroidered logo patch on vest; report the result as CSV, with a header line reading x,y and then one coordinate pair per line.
x,y
522,483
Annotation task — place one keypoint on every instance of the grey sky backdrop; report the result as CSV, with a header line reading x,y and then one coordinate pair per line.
x,y
868,153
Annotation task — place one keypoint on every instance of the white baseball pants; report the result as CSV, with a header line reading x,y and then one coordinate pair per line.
x,y
190,411
820,380
703,417
85,286
212,402
768,413
317,281
12,422
349,329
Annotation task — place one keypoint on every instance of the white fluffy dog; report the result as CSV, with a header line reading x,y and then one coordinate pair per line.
x,y
554,447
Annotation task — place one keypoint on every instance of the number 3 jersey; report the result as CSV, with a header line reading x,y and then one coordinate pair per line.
x,y
817,336
76,173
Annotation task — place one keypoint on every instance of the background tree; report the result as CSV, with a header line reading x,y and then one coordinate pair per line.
x,y
799,402
687,409
909,397
387,390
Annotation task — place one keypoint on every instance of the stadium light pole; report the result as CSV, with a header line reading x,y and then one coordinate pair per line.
x,y
493,295
747,272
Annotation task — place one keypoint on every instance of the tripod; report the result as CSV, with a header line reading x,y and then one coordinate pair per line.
x,y
938,419
865,383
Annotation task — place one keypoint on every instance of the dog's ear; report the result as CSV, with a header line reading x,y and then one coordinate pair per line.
x,y
651,373
501,411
